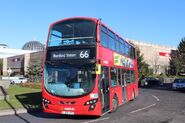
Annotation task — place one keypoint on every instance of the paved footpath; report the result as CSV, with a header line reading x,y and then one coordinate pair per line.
x,y
12,112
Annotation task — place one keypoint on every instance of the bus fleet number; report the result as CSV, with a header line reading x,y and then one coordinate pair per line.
x,y
84,54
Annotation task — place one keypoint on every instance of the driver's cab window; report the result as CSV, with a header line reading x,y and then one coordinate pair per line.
x,y
113,73
104,74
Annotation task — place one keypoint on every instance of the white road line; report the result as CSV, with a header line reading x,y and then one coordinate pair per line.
x,y
91,121
142,108
156,97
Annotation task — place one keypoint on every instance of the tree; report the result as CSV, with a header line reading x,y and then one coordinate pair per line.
x,y
177,62
34,72
181,51
143,67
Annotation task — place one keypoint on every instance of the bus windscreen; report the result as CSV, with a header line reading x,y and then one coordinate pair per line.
x,y
72,32
69,80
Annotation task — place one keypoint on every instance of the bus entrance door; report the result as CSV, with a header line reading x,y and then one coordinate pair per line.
x,y
124,84
105,92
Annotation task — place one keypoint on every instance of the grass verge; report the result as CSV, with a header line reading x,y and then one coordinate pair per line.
x,y
20,97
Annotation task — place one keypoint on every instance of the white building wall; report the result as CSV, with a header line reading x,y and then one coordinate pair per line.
x,y
151,55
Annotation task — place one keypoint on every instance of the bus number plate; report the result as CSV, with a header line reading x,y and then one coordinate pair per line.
x,y
68,112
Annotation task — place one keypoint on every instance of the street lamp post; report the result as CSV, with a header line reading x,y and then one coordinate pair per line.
x,y
9,72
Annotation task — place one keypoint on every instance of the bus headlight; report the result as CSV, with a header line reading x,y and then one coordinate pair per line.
x,y
91,107
90,102
45,102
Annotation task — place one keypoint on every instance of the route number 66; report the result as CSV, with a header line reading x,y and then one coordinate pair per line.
x,y
84,54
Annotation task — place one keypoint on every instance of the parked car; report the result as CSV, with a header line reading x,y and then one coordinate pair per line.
x,y
19,80
149,82
179,84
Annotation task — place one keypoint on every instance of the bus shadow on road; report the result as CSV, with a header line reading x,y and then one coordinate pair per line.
x,y
57,116
32,102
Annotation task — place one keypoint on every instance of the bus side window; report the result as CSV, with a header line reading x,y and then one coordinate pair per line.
x,y
128,76
119,76
113,73
117,44
111,40
104,39
133,78
126,51
122,49
129,51
132,53
123,76
104,36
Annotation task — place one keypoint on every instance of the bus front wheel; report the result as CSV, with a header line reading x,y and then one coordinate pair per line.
x,y
114,104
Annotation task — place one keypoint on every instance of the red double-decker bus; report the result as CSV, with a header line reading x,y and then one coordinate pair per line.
x,y
88,69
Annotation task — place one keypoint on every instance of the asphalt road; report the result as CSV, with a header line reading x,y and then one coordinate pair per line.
x,y
151,106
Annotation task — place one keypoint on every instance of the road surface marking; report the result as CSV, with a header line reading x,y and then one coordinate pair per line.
x,y
142,108
91,121
105,113
156,97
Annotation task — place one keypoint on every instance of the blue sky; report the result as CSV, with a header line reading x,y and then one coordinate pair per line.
x,y
156,21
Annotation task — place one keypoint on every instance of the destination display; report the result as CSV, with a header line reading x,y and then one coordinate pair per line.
x,y
70,54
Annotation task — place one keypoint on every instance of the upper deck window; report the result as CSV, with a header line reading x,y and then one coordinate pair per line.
x,y
111,40
117,44
73,32
104,29
104,36
127,49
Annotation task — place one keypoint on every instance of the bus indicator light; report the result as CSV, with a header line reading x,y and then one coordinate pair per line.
x,y
94,96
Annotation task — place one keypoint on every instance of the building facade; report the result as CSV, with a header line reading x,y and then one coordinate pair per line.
x,y
19,64
157,56
19,60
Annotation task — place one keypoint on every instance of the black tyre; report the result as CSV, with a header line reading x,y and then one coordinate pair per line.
x,y
114,104
133,95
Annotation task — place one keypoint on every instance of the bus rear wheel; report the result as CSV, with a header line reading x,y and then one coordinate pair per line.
x,y
133,95
114,104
